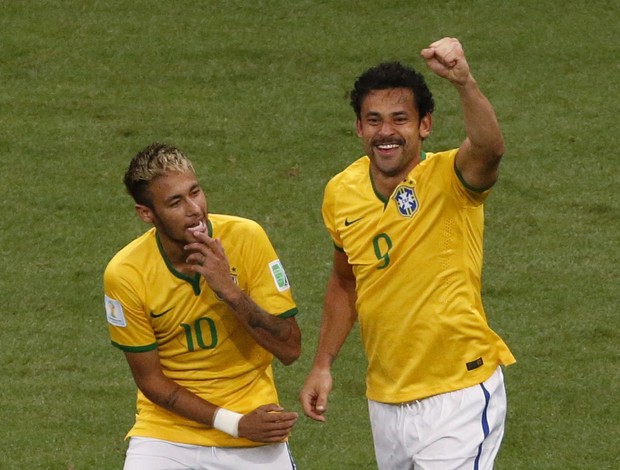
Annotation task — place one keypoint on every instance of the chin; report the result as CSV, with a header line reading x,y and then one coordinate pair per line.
x,y
390,171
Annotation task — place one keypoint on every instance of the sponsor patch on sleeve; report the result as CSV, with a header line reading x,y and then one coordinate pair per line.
x,y
114,312
279,275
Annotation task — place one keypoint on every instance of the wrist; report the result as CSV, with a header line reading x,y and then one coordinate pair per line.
x,y
227,421
231,294
468,84
323,361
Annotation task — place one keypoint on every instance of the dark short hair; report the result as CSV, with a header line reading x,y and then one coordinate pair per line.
x,y
392,75
150,163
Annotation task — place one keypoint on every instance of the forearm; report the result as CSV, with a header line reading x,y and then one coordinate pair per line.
x,y
169,395
267,423
277,335
480,153
339,316
481,125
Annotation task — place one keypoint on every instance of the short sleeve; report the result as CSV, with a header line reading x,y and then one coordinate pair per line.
x,y
267,280
128,324
470,196
328,212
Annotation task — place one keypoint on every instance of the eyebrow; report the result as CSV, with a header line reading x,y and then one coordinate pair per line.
x,y
376,113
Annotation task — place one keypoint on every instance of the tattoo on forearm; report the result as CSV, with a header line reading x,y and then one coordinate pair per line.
x,y
258,319
171,399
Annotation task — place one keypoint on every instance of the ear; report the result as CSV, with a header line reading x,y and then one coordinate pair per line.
x,y
425,126
145,213
358,127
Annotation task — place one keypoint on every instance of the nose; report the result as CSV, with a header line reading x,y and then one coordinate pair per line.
x,y
386,128
193,207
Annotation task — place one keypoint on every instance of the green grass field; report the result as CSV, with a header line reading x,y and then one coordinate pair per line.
x,y
255,93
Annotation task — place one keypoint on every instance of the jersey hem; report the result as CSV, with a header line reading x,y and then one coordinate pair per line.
x,y
226,441
473,381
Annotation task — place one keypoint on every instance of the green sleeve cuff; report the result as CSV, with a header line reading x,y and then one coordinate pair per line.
x,y
122,347
289,313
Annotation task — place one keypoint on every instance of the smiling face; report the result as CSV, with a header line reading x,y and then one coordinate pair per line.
x,y
177,208
392,132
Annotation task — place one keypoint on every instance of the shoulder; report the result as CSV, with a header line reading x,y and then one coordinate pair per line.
x,y
436,167
355,174
441,167
139,249
244,240
129,267
359,167
445,157
231,225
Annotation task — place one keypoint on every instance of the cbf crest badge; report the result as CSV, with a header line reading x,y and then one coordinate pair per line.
x,y
406,201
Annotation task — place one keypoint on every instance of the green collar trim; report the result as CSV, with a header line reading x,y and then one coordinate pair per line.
x,y
374,188
194,280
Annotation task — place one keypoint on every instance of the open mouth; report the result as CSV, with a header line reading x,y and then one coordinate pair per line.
x,y
387,147
200,226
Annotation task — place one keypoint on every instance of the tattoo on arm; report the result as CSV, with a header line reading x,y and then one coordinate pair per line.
x,y
257,319
171,399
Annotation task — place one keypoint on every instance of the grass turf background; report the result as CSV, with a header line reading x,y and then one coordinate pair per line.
x,y
255,93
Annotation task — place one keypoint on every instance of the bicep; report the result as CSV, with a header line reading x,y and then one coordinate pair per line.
x,y
477,172
342,271
341,295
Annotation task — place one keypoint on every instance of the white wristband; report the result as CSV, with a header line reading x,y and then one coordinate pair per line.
x,y
227,421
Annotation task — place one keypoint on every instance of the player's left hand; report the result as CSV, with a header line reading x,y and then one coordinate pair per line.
x,y
267,423
447,59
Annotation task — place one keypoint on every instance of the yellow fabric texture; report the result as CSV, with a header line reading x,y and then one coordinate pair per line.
x,y
201,345
417,259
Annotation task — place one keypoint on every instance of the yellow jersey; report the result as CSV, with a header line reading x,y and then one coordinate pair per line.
x,y
149,305
417,261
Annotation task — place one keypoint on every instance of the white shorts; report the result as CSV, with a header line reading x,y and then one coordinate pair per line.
x,y
456,430
145,453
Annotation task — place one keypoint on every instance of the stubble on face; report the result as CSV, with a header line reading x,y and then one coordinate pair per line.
x,y
389,128
179,208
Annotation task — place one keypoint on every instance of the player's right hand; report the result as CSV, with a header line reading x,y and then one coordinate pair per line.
x,y
447,59
313,395
267,423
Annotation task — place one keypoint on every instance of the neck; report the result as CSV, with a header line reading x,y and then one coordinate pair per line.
x,y
385,184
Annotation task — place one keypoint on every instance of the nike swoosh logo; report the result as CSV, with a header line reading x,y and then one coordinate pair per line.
x,y
348,222
157,315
